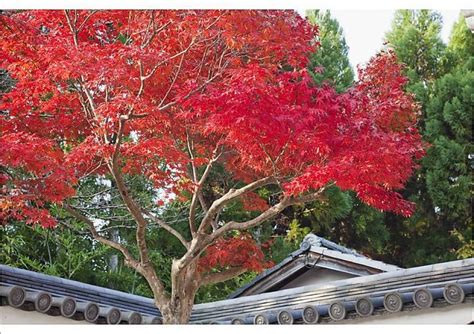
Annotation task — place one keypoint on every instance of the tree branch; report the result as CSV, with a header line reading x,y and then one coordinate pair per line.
x,y
157,65
86,19
134,209
191,92
145,269
232,194
203,241
118,142
269,213
222,276
192,208
142,79
197,194
178,70
130,260
167,227
131,205
72,27
155,32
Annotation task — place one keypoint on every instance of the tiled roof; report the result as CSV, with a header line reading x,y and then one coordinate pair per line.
x,y
399,290
328,248
326,251
72,299
312,240
415,288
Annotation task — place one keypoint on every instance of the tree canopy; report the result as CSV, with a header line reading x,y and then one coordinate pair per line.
x,y
170,96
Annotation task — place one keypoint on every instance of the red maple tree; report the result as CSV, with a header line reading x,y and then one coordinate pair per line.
x,y
169,95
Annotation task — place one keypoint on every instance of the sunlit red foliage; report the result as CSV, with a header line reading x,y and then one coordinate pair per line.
x,y
75,79
137,86
38,180
363,140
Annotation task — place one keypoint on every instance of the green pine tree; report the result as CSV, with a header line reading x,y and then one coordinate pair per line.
x,y
450,160
415,37
461,42
330,63
442,80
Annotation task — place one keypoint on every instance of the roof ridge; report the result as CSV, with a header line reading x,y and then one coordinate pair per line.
x,y
314,243
38,277
313,240
386,277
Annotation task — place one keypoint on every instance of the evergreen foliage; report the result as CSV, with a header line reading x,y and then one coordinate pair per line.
x,y
442,79
331,63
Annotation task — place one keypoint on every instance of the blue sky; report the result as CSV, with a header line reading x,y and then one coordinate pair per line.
x,y
365,30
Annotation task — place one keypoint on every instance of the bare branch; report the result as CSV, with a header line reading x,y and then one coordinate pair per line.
x,y
213,278
232,194
192,208
134,209
88,173
94,194
173,81
155,32
153,70
142,79
130,260
269,213
191,92
215,21
118,141
167,227
202,201
72,27
190,146
151,24
90,99
264,216
86,19
197,194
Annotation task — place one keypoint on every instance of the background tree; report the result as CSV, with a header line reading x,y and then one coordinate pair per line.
x,y
163,98
415,37
430,236
449,162
461,44
331,63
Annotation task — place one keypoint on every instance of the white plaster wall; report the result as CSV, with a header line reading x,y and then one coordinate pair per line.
x,y
453,314
11,315
316,276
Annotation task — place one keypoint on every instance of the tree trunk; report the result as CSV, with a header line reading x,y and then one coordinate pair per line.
x,y
177,312
185,284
